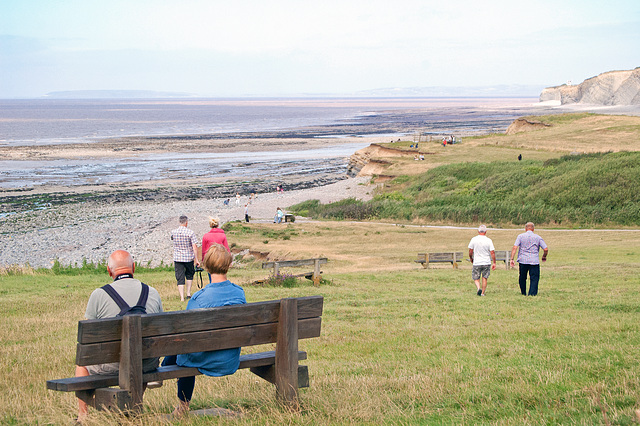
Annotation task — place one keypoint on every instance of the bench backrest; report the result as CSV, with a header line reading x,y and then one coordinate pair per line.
x,y
178,332
446,257
503,255
292,263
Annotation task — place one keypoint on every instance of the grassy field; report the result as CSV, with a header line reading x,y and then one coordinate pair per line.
x,y
400,344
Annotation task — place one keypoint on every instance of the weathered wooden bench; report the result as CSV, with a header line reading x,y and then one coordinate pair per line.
x,y
314,275
445,257
132,338
503,256
288,217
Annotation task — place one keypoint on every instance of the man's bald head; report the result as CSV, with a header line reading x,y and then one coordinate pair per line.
x,y
120,262
529,226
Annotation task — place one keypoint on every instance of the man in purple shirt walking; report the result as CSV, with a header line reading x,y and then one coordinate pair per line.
x,y
528,258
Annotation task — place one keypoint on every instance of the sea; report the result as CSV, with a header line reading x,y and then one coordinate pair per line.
x,y
38,122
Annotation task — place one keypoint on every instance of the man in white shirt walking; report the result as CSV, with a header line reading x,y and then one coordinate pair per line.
x,y
483,255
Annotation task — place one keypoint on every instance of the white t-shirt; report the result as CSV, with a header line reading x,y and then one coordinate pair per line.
x,y
482,247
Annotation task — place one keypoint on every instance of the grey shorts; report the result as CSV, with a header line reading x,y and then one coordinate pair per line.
x,y
480,271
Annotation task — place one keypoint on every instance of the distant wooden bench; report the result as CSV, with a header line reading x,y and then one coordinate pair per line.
x,y
314,275
504,256
132,338
445,257
288,217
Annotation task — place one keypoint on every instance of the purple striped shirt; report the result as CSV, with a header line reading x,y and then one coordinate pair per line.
x,y
530,245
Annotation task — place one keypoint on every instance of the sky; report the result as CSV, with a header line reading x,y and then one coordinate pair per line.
x,y
233,48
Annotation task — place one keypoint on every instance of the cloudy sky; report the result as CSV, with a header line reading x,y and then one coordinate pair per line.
x,y
288,47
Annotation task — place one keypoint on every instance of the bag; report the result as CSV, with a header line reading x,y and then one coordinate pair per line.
x,y
139,309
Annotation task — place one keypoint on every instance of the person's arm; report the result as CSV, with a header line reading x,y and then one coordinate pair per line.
x,y
544,254
493,259
513,255
471,255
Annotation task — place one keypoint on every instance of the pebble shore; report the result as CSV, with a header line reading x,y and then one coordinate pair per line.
x,y
92,230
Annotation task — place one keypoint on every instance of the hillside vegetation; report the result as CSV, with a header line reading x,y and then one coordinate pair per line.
x,y
589,189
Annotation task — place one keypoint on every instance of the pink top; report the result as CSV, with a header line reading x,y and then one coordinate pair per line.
x,y
215,236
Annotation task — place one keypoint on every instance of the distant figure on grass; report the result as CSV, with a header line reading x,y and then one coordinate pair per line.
x,y
184,255
483,256
132,292
221,292
214,236
519,157
528,258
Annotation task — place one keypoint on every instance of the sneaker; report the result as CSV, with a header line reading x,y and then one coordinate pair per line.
x,y
482,294
479,292
154,385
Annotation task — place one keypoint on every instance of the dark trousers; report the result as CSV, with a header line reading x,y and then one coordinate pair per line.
x,y
185,384
534,277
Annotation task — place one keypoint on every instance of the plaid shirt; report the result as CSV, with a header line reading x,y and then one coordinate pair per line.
x,y
530,245
183,240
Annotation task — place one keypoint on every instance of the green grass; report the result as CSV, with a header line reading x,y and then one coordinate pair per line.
x,y
399,345
576,190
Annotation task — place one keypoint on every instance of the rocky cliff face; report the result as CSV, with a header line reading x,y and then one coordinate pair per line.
x,y
609,88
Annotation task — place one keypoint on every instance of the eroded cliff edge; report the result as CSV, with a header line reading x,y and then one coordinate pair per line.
x,y
609,88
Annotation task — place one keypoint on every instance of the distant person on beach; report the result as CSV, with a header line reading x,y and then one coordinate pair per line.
x,y
237,199
444,142
246,212
184,255
120,267
279,215
483,256
215,236
528,258
226,202
221,292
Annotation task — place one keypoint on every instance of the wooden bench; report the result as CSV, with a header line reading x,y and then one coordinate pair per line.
x,y
503,256
132,338
314,275
288,217
446,257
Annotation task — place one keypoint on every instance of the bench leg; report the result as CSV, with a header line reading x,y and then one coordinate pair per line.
x,y
130,374
286,366
106,398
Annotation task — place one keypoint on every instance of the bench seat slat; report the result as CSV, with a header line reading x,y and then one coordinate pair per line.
x,y
99,353
110,329
162,373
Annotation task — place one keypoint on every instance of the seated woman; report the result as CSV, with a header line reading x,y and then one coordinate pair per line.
x,y
221,292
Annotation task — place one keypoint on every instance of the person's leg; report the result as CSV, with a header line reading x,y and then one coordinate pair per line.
x,y
190,271
83,410
522,279
180,271
475,276
484,285
534,277
185,388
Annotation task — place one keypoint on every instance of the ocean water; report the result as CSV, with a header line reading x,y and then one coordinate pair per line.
x,y
37,122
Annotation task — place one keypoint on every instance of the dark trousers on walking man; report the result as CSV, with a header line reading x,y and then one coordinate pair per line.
x,y
534,278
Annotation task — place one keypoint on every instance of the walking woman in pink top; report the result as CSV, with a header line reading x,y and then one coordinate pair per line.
x,y
214,236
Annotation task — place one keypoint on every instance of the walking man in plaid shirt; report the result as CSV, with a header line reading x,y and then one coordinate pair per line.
x,y
528,258
184,254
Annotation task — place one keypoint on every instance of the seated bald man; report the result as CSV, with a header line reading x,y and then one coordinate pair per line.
x,y
120,267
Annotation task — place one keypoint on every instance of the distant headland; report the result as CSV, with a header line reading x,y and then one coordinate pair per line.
x,y
609,88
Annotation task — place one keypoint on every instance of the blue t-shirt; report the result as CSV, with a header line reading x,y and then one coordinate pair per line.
x,y
225,361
